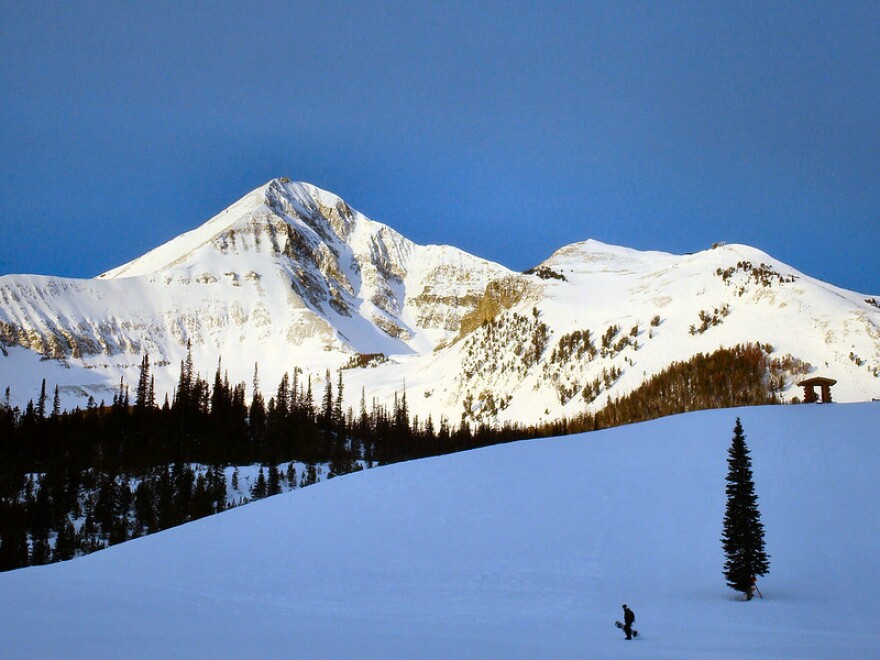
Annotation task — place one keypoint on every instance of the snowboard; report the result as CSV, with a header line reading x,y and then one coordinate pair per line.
x,y
618,624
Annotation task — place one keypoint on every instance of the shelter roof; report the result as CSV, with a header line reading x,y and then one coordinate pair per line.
x,y
818,380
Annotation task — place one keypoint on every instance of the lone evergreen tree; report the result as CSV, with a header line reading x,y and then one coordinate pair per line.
x,y
743,536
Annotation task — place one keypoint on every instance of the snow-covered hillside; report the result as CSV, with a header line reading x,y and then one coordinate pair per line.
x,y
598,320
520,550
291,277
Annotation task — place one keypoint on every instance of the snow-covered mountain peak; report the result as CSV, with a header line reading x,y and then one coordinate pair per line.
x,y
592,256
289,270
291,275
593,250
260,211
283,220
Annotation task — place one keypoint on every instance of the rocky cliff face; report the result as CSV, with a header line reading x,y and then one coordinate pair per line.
x,y
291,276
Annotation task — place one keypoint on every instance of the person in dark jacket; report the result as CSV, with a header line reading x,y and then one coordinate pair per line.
x,y
753,589
628,620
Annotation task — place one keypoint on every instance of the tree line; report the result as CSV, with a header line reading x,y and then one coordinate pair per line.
x,y
727,378
75,481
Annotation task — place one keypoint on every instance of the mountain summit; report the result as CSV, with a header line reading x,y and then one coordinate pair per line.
x,y
290,276
356,283
288,266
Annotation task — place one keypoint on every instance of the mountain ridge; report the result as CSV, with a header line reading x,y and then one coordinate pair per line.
x,y
291,276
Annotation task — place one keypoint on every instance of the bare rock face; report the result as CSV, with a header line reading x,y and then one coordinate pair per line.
x,y
500,295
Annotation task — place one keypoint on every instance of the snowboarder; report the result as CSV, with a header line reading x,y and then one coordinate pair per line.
x,y
628,620
754,589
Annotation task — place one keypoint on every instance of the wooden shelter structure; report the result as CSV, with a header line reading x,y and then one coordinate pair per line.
x,y
821,382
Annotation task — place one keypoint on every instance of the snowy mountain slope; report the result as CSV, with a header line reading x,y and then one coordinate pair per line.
x,y
531,359
519,550
291,276
288,275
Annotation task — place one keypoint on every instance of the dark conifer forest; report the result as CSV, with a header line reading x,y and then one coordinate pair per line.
x,y
72,482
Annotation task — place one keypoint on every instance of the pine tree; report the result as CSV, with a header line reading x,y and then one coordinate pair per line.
x,y
56,404
182,400
40,551
743,535
282,398
65,542
273,483
256,418
258,491
217,481
142,395
41,402
309,403
327,403
338,415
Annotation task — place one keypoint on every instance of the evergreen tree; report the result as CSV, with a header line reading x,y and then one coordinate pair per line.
x,y
217,484
56,404
40,552
201,504
142,396
327,403
185,382
309,403
310,476
65,542
338,415
41,402
258,490
87,538
145,507
257,416
743,535
273,483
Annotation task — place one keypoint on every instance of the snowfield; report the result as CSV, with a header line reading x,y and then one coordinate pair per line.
x,y
521,550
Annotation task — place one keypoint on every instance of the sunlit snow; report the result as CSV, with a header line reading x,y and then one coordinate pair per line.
x,y
520,550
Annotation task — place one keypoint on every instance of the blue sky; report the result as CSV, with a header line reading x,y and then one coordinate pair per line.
x,y
506,129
